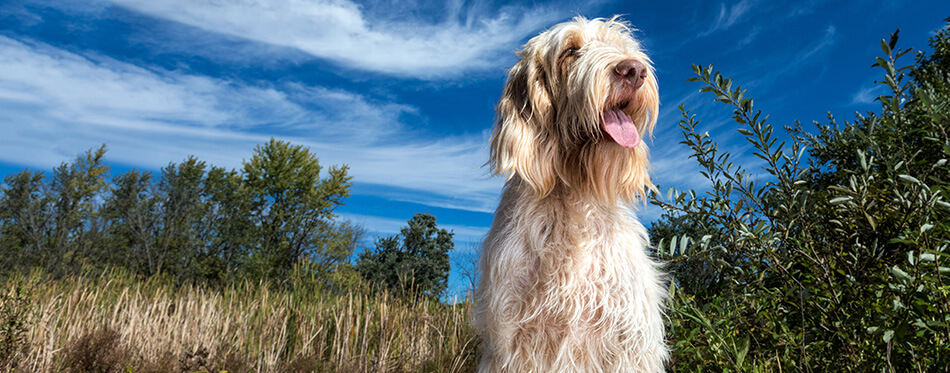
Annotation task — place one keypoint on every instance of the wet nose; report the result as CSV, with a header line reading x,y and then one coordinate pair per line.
x,y
631,72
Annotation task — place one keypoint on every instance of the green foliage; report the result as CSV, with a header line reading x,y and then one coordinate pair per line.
x,y
130,214
290,209
836,261
24,219
191,223
53,224
74,190
414,262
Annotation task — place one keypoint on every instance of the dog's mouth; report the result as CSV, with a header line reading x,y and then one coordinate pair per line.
x,y
620,126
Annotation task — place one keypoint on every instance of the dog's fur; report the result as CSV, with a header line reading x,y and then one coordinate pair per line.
x,y
565,281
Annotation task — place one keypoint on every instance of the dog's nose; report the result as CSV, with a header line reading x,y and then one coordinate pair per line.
x,y
631,72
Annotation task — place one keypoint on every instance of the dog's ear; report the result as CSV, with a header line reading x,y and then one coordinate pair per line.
x,y
521,144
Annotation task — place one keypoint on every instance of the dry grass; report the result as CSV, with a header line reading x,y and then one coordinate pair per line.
x,y
117,323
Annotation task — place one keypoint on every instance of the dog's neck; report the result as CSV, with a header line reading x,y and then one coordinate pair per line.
x,y
564,203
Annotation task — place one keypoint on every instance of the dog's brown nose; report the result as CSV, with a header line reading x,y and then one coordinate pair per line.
x,y
631,72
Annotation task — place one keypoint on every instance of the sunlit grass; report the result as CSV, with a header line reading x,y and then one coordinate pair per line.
x,y
153,325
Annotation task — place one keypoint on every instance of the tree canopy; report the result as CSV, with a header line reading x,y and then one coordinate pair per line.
x,y
190,222
416,261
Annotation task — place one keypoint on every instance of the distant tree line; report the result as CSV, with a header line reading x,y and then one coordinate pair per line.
x,y
190,222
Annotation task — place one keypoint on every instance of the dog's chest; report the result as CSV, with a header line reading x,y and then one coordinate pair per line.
x,y
595,246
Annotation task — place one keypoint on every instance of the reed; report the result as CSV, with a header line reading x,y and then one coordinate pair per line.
x,y
116,322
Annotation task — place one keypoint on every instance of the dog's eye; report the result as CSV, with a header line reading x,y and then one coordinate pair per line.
x,y
570,52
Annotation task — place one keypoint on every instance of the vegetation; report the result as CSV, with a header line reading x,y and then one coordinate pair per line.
x,y
194,223
205,269
834,259
414,262
117,322
833,262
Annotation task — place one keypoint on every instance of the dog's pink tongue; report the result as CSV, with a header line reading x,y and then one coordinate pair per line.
x,y
621,128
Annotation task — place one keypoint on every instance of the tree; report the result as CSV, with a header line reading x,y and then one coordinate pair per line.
x,y
193,222
291,208
183,232
132,217
24,219
76,227
416,261
228,217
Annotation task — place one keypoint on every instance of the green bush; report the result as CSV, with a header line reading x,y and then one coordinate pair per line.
x,y
834,261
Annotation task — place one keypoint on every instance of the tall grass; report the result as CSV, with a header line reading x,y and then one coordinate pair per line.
x,y
116,322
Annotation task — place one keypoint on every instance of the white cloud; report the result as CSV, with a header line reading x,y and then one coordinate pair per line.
x,y
341,31
828,39
465,236
867,94
448,167
729,16
56,104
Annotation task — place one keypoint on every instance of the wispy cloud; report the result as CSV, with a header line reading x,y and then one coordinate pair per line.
x,y
342,32
729,16
867,94
828,39
762,81
465,236
57,103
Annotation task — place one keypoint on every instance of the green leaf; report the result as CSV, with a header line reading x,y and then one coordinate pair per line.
x,y
740,357
893,40
871,220
909,178
900,274
839,200
888,335
864,163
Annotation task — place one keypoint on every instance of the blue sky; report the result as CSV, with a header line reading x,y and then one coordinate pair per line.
x,y
402,92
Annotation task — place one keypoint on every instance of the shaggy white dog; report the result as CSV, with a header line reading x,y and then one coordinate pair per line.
x,y
565,283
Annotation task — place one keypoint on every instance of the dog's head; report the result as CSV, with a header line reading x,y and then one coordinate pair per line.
x,y
574,111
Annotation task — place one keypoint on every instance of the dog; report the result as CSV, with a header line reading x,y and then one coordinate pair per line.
x,y
566,284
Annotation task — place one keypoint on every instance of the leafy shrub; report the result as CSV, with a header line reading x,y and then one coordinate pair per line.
x,y
833,262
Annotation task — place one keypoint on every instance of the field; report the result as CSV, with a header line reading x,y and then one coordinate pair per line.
x,y
116,322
